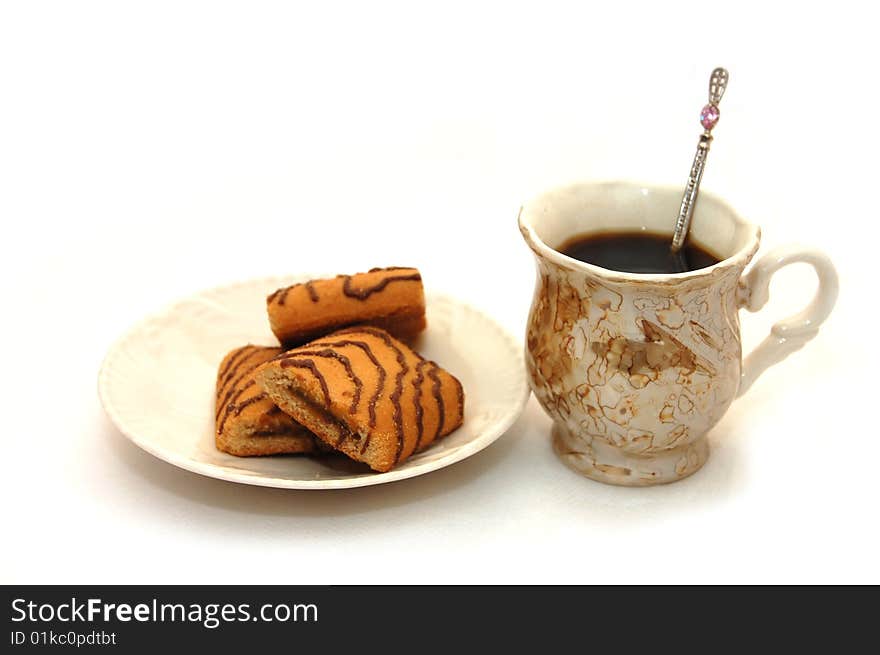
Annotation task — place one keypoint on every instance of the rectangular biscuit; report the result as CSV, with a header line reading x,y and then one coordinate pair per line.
x,y
247,422
366,394
389,298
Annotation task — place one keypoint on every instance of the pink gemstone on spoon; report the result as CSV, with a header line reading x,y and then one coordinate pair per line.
x,y
709,116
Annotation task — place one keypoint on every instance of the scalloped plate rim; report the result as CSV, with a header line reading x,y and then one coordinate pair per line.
x,y
216,471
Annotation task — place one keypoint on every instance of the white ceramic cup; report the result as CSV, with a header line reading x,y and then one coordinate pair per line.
x,y
634,369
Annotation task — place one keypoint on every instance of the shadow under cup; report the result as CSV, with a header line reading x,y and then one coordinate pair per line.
x,y
634,369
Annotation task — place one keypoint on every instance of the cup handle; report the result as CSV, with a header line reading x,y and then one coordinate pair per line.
x,y
791,334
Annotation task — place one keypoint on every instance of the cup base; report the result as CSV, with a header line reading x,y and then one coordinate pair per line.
x,y
598,460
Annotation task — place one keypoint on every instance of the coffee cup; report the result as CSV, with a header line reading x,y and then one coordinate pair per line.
x,y
634,369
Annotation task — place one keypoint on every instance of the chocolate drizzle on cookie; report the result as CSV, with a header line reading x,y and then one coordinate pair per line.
x,y
310,365
313,294
417,401
398,384
283,296
234,410
380,370
235,382
346,363
234,376
280,295
438,396
363,294
247,403
231,361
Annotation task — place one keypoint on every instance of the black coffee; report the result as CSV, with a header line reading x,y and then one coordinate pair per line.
x,y
637,252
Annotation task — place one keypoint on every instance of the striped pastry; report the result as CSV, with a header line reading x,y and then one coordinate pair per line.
x,y
390,298
366,394
247,422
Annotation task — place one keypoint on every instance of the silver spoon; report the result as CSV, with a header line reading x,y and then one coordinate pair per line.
x,y
708,118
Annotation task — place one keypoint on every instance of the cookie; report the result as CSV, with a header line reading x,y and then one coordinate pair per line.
x,y
366,394
389,298
247,422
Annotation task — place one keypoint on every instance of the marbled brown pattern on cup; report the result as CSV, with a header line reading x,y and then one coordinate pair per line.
x,y
645,368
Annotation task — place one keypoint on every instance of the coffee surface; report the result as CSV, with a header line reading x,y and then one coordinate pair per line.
x,y
636,252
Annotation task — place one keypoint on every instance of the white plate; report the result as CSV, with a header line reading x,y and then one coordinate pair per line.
x,y
157,386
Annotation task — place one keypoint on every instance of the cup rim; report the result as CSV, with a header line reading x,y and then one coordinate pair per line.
x,y
739,258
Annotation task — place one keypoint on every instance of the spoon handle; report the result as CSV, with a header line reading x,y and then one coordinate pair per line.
x,y
708,119
688,200
718,85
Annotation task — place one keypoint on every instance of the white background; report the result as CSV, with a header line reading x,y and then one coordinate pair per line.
x,y
150,150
